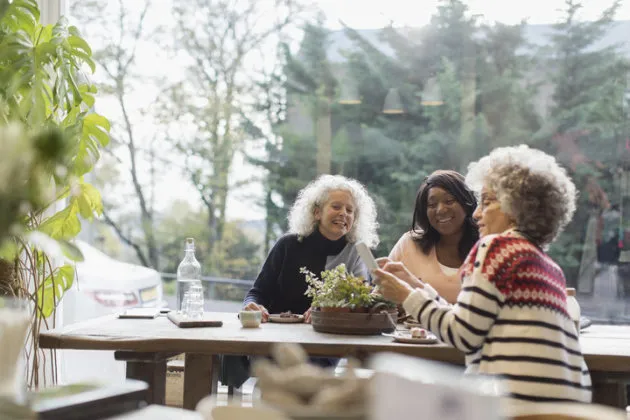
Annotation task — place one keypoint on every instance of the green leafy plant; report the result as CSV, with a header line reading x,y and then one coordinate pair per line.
x,y
50,138
339,289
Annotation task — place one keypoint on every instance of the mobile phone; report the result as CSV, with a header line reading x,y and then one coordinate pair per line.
x,y
139,313
366,256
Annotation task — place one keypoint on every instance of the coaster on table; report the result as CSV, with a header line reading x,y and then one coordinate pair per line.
x,y
184,322
286,319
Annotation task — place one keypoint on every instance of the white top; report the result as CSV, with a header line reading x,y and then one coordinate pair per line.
x,y
426,267
449,271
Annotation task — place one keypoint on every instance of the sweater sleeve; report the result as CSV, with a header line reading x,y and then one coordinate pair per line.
x,y
266,283
465,324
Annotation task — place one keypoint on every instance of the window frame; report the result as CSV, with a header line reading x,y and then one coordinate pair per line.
x,y
51,10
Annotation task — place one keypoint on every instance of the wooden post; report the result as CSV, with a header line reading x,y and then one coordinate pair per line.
x,y
150,368
610,389
201,377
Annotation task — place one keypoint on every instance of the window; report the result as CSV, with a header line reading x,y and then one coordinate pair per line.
x,y
222,113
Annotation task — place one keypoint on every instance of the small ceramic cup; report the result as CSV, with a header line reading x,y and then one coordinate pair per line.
x,y
250,319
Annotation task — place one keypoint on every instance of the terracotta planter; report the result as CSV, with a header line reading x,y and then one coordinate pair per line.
x,y
355,323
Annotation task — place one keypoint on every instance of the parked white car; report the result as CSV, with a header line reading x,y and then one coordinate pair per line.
x,y
103,286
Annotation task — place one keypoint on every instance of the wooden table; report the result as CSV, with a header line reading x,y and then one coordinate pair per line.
x,y
146,344
159,412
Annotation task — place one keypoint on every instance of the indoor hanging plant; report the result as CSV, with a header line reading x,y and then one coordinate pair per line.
x,y
345,303
50,139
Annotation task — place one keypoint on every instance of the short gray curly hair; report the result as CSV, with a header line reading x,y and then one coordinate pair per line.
x,y
302,214
531,187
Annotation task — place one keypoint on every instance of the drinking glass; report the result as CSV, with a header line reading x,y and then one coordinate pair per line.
x,y
15,318
195,303
185,303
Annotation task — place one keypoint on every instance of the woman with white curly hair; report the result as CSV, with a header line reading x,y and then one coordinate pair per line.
x,y
511,315
328,217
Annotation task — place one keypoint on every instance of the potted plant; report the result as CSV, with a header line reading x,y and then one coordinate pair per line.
x,y
50,138
345,303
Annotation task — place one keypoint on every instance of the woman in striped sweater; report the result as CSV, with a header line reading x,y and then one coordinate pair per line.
x,y
511,315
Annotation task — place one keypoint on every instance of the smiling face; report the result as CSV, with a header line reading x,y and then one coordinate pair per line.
x,y
336,216
444,212
489,216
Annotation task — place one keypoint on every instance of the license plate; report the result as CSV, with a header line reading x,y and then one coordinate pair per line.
x,y
148,294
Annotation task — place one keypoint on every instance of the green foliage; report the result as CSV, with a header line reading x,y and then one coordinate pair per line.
x,y
338,289
43,89
66,224
489,79
588,122
52,289
392,154
236,256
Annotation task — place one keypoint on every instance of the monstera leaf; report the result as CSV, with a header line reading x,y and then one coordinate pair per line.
x,y
43,89
52,289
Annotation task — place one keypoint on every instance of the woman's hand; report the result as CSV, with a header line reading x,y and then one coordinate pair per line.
x,y
382,261
251,306
399,270
307,316
391,287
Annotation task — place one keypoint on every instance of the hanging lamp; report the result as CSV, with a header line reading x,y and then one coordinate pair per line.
x,y
393,104
431,94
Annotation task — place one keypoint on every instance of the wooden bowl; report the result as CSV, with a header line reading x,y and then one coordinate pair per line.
x,y
353,322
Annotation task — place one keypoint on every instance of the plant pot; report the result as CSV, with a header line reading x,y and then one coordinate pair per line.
x,y
360,310
354,323
346,310
334,309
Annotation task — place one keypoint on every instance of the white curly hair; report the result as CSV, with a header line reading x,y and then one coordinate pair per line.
x,y
302,214
531,187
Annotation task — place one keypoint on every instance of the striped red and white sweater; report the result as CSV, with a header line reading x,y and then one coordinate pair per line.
x,y
511,320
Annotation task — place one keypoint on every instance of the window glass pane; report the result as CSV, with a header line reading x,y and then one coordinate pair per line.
x,y
223,111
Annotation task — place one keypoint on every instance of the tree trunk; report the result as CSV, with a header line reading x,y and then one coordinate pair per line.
x,y
323,134
152,249
268,220
467,110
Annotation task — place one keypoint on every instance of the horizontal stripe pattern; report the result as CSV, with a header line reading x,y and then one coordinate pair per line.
x,y
510,321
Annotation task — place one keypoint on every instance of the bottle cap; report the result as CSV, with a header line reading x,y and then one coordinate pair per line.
x,y
190,244
570,291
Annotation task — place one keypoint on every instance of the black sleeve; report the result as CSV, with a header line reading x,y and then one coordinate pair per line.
x,y
266,283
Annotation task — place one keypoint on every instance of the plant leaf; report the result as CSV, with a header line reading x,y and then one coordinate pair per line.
x,y
64,224
94,134
89,201
9,250
71,251
52,289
